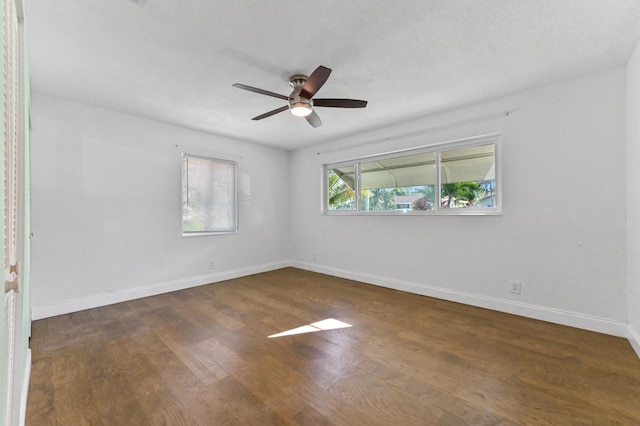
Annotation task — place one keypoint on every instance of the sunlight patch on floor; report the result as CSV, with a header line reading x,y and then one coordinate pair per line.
x,y
327,324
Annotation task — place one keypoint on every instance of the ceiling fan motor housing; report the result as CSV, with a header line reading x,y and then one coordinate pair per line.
x,y
295,100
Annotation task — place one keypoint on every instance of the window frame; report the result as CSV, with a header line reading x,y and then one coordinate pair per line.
x,y
438,148
184,185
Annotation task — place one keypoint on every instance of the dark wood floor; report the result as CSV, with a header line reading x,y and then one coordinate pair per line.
x,y
202,356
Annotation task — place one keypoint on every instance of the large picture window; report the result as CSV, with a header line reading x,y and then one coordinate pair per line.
x,y
452,178
208,196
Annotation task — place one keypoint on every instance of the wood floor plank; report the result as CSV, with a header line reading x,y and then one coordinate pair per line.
x,y
175,415
178,383
309,416
116,404
207,370
42,408
202,356
387,404
74,403
245,405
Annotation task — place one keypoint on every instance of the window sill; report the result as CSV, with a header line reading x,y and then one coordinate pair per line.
x,y
443,212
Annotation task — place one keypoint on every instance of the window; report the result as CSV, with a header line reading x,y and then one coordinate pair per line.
x,y
208,196
385,182
341,184
452,178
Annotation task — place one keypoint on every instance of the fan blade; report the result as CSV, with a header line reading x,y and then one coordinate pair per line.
x,y
315,81
313,119
270,113
340,103
260,91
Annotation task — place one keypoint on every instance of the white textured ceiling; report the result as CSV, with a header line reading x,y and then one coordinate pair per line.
x,y
175,60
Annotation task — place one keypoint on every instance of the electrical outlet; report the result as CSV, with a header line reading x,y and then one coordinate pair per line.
x,y
212,264
515,287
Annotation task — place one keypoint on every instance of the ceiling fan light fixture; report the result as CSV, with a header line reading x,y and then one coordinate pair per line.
x,y
300,109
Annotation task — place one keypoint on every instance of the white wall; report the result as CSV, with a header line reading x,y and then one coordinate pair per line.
x,y
562,232
633,196
106,208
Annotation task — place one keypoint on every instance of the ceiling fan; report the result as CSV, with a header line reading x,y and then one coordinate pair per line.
x,y
300,100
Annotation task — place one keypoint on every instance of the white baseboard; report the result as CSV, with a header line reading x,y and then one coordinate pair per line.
x,y
634,339
557,316
80,304
24,394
